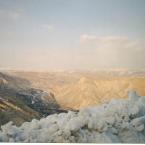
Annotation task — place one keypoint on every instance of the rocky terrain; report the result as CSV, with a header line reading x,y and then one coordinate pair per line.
x,y
118,121
76,89
20,102
27,95
94,106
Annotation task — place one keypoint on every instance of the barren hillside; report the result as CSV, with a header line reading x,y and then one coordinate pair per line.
x,y
81,89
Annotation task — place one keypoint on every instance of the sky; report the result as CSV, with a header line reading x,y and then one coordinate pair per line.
x,y
72,34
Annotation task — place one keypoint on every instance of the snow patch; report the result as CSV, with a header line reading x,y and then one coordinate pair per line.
x,y
119,121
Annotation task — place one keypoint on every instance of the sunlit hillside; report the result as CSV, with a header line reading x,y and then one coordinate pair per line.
x,y
81,89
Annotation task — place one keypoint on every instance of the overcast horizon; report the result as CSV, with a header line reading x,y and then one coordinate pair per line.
x,y
72,34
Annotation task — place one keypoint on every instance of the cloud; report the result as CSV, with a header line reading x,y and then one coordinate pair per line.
x,y
111,52
114,51
47,27
102,41
10,14
85,37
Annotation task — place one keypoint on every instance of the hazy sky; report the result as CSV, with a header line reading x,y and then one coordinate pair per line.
x,y
72,34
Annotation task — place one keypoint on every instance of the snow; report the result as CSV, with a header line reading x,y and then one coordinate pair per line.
x,y
32,102
118,121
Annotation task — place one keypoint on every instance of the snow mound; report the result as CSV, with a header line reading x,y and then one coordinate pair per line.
x,y
119,121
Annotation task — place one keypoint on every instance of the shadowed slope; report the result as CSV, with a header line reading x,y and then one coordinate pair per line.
x,y
19,102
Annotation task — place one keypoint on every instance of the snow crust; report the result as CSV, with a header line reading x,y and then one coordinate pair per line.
x,y
119,121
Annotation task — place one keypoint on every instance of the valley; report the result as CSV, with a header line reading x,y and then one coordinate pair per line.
x,y
27,95
79,89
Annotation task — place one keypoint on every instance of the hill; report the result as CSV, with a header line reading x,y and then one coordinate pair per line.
x,y
20,102
82,89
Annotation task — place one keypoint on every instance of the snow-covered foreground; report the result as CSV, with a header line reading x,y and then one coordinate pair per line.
x,y
119,121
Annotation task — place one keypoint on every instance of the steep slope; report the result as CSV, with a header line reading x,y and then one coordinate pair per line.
x,y
81,89
96,91
81,94
18,113
19,102
14,82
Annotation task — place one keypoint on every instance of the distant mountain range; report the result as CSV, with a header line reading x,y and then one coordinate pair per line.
x,y
79,89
